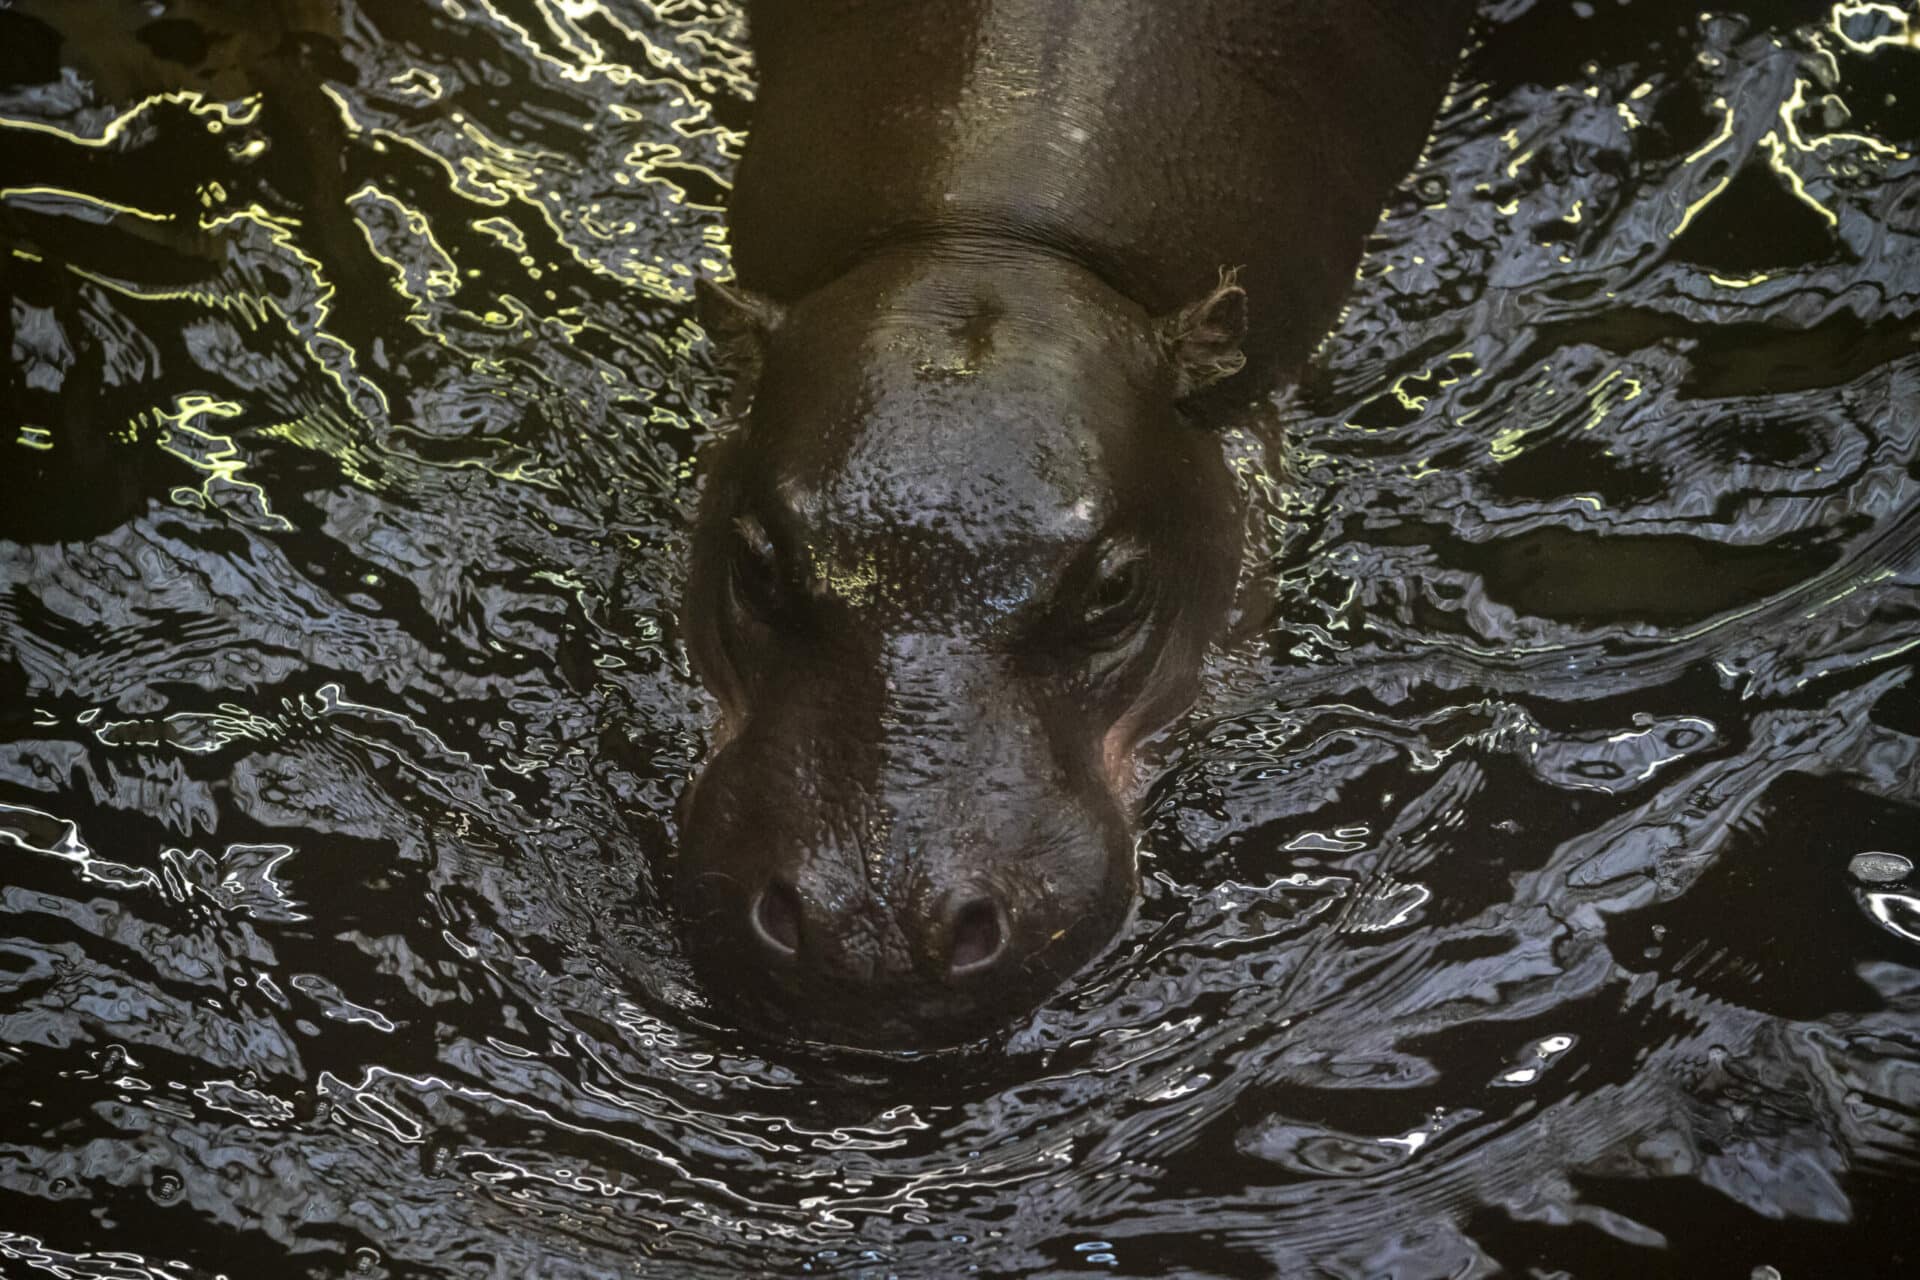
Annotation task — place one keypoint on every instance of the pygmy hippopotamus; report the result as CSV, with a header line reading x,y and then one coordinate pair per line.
x,y
999,263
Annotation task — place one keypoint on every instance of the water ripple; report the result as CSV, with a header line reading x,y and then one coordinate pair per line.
x,y
1531,892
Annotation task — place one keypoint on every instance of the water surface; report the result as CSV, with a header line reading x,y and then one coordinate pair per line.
x,y
1532,893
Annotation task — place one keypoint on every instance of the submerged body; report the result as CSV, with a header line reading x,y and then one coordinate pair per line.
x,y
999,262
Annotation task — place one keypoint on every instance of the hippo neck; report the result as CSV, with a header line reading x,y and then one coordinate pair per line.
x,y
962,275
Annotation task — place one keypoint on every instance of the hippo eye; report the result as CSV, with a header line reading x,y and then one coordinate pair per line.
x,y
1115,599
755,575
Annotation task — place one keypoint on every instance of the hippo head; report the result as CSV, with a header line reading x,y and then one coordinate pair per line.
x,y
964,554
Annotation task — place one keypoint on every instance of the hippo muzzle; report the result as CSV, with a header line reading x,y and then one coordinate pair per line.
x,y
907,846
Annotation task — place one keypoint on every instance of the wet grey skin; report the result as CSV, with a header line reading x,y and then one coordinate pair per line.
x,y
1001,268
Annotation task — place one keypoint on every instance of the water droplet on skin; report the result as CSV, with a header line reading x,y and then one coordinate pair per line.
x,y
365,1260
1880,868
166,1187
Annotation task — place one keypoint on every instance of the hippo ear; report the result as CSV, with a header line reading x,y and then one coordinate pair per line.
x,y
1202,340
740,322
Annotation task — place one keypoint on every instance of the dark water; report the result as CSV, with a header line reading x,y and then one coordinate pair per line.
x,y
1530,896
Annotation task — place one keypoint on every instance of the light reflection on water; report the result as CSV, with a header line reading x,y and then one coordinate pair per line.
x,y
1504,901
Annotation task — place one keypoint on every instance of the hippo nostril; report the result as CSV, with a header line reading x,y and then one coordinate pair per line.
x,y
979,936
776,918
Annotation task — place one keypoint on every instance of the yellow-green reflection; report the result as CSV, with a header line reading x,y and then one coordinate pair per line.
x,y
182,433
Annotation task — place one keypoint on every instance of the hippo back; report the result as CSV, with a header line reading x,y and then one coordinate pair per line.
x,y
1155,141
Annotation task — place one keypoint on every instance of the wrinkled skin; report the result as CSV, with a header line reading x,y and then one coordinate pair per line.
x,y
975,536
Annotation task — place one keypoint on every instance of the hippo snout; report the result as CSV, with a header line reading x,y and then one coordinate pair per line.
x,y
930,973
965,935
864,923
